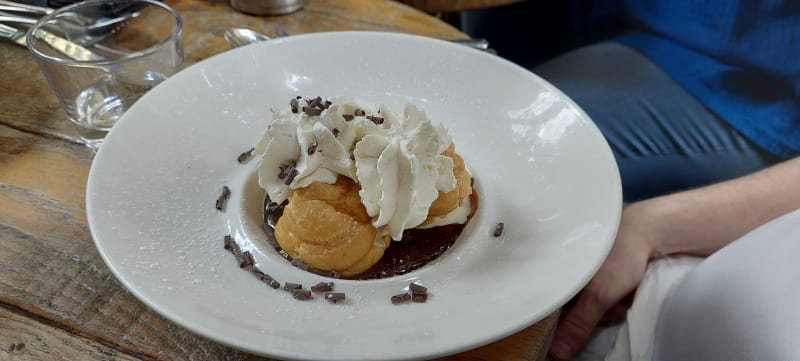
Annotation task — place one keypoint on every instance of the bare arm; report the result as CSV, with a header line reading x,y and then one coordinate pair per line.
x,y
704,220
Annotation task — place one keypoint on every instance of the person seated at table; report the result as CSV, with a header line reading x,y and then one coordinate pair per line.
x,y
700,103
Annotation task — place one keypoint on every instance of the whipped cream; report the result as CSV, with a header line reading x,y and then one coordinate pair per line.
x,y
395,157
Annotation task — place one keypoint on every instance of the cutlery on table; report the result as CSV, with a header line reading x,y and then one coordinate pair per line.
x,y
75,27
24,8
11,34
240,36
64,46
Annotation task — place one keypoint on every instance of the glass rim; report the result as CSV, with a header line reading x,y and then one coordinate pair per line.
x,y
29,38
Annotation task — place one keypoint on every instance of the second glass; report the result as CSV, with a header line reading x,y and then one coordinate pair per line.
x,y
100,56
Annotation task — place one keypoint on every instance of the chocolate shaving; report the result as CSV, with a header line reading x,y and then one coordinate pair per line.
x,y
246,260
347,117
300,264
245,156
312,111
289,286
419,297
230,244
288,172
335,296
352,157
316,106
335,132
295,105
498,229
301,294
403,297
416,288
322,287
226,193
359,112
312,148
324,273
275,208
376,120
266,279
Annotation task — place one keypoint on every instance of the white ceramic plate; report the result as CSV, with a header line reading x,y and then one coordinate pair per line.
x,y
539,163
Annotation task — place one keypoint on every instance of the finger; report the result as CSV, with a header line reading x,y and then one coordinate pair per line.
x,y
576,327
615,314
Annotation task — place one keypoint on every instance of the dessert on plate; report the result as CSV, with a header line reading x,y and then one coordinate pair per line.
x,y
354,180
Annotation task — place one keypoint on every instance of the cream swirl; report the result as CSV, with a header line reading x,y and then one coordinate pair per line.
x,y
396,158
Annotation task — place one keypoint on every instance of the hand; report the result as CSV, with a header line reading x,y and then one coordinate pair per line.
x,y
618,277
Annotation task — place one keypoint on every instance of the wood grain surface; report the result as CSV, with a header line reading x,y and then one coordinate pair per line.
x,y
57,297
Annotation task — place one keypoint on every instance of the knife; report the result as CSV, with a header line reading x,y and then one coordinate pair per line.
x,y
64,46
12,34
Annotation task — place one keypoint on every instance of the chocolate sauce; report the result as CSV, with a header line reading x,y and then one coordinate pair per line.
x,y
417,248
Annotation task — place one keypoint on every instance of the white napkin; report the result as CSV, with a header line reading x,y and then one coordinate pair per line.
x,y
636,335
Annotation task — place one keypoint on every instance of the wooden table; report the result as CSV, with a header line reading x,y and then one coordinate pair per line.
x,y
58,300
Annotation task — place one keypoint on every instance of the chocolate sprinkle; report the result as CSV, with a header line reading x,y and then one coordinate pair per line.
x,y
289,286
322,287
312,111
352,157
301,294
335,132
324,273
335,296
246,260
347,117
267,279
403,297
376,120
226,193
498,229
288,172
245,156
300,264
360,112
316,106
231,245
294,104
415,288
419,297
312,148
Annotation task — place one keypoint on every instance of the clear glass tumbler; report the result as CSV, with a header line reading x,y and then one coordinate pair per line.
x,y
100,56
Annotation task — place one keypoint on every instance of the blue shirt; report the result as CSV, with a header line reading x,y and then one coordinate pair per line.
x,y
740,58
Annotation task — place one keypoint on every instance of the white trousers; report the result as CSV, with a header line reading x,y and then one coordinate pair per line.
x,y
740,304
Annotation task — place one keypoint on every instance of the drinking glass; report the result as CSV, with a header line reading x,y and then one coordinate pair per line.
x,y
100,56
